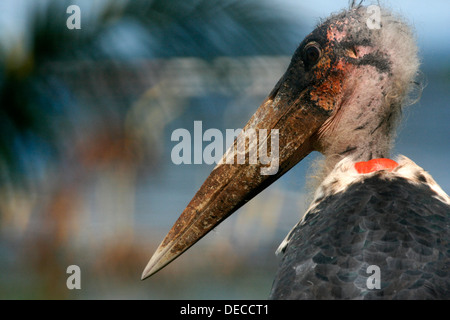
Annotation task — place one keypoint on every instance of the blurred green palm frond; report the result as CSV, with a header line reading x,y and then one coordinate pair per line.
x,y
38,110
212,28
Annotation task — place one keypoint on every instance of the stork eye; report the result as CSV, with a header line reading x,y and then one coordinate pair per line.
x,y
312,53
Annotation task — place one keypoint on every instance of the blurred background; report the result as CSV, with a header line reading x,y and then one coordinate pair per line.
x,y
86,118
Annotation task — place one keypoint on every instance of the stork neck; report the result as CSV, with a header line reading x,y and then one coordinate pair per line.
x,y
371,149
363,140
375,147
363,124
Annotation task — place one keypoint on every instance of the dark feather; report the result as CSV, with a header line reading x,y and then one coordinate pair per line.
x,y
393,224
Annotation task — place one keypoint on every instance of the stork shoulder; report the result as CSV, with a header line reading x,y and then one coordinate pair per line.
x,y
345,174
416,175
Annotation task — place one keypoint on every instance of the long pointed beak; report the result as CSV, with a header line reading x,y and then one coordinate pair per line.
x,y
229,186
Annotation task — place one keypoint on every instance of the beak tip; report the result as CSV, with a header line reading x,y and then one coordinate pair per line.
x,y
148,271
144,276
158,261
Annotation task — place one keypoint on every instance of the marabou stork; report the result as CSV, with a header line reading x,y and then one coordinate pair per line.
x,y
342,95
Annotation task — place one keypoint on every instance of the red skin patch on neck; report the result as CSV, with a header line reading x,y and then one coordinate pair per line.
x,y
375,165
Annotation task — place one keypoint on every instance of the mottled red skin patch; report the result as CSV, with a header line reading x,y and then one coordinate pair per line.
x,y
330,71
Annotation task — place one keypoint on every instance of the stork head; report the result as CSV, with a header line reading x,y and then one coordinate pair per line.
x,y
341,95
368,60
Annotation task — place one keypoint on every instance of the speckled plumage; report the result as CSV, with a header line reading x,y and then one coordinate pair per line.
x,y
400,226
